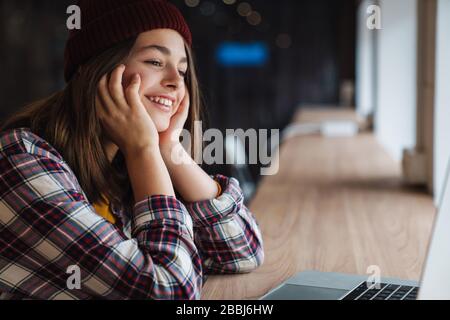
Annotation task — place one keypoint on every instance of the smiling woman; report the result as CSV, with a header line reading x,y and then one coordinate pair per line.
x,y
88,172
159,57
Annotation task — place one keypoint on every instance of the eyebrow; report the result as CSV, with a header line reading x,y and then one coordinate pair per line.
x,y
163,50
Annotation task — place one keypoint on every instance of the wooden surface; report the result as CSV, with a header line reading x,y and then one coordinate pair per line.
x,y
318,115
336,205
323,114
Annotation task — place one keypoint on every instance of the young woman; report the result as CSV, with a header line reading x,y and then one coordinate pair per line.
x,y
88,177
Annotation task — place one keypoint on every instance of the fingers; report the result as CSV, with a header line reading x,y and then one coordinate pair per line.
x,y
115,86
132,92
99,108
185,103
104,98
110,93
186,94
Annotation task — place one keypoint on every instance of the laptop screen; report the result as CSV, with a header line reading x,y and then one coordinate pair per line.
x,y
435,283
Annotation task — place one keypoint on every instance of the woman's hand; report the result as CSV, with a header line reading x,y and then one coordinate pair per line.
x,y
171,137
122,114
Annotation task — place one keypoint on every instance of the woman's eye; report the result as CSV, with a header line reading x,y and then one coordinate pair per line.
x,y
154,62
159,64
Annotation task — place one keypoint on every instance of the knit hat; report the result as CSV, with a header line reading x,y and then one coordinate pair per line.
x,y
105,23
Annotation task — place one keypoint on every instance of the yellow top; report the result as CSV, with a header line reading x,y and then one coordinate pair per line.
x,y
103,210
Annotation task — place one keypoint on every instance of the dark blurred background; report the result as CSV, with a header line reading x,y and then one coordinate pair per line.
x,y
310,46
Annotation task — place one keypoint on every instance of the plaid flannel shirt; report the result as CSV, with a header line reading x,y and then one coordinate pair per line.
x,y
162,249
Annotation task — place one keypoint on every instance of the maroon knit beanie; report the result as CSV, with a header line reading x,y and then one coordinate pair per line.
x,y
105,23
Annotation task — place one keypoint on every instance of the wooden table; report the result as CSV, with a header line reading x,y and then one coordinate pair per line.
x,y
336,205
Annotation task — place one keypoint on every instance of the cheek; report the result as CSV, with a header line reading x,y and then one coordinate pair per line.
x,y
148,79
130,71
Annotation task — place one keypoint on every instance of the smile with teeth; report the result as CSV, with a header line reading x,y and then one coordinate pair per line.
x,y
165,102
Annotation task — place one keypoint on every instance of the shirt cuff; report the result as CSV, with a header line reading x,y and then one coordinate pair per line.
x,y
159,207
230,201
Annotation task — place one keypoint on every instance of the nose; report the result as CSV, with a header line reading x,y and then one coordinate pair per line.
x,y
172,78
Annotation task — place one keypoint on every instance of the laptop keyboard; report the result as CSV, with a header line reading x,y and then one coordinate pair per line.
x,y
384,292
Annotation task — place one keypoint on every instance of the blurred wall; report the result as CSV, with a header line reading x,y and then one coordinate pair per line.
x,y
365,62
442,98
395,119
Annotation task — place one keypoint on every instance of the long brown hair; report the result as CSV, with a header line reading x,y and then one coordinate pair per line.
x,y
68,121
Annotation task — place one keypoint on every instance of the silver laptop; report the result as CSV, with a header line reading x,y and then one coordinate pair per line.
x,y
434,283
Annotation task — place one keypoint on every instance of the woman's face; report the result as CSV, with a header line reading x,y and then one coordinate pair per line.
x,y
159,57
